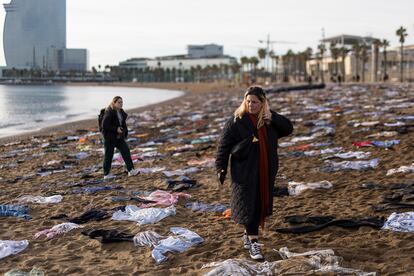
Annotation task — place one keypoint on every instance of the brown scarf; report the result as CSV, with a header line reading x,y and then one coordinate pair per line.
x,y
263,170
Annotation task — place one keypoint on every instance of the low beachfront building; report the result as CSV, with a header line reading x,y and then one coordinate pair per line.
x,y
371,66
200,62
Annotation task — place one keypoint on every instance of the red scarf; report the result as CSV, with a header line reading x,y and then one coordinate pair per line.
x,y
263,170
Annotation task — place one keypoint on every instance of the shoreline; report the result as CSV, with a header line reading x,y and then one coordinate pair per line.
x,y
188,89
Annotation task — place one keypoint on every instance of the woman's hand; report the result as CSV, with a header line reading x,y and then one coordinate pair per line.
x,y
221,176
120,130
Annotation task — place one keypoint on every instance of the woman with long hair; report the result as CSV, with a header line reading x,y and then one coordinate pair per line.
x,y
115,131
250,140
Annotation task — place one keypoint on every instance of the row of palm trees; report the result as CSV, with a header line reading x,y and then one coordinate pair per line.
x,y
193,74
294,64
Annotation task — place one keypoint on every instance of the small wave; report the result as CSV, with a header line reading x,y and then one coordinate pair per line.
x,y
6,125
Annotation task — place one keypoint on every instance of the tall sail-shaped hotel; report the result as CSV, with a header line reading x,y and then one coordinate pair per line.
x,y
34,36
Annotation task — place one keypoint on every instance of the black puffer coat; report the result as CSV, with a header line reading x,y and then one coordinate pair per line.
x,y
110,124
245,172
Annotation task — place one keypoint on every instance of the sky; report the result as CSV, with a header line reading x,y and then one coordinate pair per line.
x,y
115,30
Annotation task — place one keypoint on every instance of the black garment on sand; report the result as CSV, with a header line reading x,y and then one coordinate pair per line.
x,y
90,215
108,236
320,222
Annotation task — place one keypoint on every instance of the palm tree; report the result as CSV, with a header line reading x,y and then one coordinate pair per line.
x,y
377,45
335,54
343,52
364,56
322,50
262,55
254,61
244,61
385,43
287,64
307,55
356,48
402,33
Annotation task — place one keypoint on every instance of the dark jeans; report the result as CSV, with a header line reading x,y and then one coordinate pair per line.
x,y
109,147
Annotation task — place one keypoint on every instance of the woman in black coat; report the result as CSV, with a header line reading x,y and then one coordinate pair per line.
x,y
115,131
250,139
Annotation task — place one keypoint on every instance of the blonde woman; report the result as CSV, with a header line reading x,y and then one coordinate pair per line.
x,y
249,139
115,131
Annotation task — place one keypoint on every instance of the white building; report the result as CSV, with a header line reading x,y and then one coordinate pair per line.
x,y
196,57
204,51
35,36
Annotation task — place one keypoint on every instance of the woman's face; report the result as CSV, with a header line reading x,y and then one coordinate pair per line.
x,y
253,104
118,104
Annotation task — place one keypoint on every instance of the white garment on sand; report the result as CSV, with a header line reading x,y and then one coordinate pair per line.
x,y
40,199
401,222
57,230
402,169
180,243
144,215
296,188
8,247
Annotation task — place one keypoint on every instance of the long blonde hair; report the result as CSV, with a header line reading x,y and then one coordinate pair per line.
x,y
114,100
260,94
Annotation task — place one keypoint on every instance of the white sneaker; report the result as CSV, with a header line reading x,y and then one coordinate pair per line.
x,y
109,176
133,172
255,251
246,241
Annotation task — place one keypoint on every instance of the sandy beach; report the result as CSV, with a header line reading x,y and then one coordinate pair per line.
x,y
187,129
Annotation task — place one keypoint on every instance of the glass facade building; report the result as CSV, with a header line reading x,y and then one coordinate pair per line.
x,y
34,36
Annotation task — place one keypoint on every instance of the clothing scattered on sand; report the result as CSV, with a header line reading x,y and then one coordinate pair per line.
x,y
183,240
295,188
401,222
181,171
147,238
144,215
57,230
40,199
18,272
353,154
92,190
308,263
11,210
180,184
402,169
91,215
316,223
205,207
108,236
163,198
8,247
331,166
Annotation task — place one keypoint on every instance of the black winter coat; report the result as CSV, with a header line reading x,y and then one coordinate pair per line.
x,y
110,124
245,172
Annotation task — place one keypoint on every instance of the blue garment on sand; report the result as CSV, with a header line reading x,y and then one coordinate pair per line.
x,y
205,207
180,243
14,211
385,144
331,166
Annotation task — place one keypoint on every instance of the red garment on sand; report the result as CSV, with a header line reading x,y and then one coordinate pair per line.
x,y
362,144
263,169
300,147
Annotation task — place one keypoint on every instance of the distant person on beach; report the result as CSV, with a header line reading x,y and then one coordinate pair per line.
x,y
115,131
250,138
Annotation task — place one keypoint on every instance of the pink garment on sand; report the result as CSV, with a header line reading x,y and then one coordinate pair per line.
x,y
57,230
163,198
